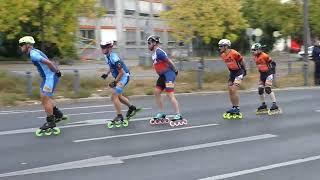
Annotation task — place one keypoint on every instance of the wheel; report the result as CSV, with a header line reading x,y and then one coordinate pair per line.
x,y
56,131
39,133
151,121
110,125
48,132
240,115
234,116
125,123
224,115
184,121
172,123
118,124
228,116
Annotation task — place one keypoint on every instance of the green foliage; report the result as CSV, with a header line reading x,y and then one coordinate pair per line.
x,y
208,19
315,17
53,21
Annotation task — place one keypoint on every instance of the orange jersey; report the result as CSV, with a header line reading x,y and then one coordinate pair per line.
x,y
232,59
262,62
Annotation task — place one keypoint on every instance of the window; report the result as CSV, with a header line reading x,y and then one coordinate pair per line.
x,y
144,8
87,36
109,5
129,7
130,37
157,8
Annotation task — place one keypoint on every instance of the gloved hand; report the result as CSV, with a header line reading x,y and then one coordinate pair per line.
x,y
176,72
113,84
244,72
58,74
104,76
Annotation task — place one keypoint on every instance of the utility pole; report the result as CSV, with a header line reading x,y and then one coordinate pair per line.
x,y
305,39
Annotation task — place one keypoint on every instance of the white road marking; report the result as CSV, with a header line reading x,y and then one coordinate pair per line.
x,y
262,168
90,122
199,146
92,162
142,133
108,160
41,110
318,110
97,112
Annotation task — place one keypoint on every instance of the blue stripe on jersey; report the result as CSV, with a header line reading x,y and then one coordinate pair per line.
x,y
112,60
37,57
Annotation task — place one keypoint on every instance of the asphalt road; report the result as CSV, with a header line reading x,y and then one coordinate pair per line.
x,y
284,147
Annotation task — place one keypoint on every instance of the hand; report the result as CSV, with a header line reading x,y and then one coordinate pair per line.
x,y
113,84
58,74
176,71
104,76
244,72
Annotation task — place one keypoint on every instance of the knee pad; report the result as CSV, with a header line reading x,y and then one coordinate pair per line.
x,y
260,90
268,90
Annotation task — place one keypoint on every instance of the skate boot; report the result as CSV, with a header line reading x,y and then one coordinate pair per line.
x,y
274,109
132,111
160,118
233,113
263,109
118,121
59,115
177,120
48,128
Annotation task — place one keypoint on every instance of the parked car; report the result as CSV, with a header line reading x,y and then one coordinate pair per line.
x,y
301,53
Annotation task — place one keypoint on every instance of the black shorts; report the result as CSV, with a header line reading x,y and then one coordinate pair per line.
x,y
235,73
264,75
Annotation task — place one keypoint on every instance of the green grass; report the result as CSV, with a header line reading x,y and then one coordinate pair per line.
x,y
13,88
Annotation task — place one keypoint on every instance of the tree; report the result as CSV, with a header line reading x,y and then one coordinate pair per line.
x,y
315,17
49,21
207,19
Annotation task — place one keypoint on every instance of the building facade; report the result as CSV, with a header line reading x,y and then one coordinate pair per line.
x,y
129,23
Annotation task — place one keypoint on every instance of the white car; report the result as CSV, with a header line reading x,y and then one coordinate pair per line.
x,y
301,53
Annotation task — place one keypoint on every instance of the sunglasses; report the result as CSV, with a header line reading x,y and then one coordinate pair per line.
x,y
220,46
254,49
149,42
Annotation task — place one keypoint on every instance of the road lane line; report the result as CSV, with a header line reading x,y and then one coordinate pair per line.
x,y
108,160
41,110
142,133
262,168
97,112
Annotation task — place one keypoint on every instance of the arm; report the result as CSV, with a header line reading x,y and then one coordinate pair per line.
x,y
105,75
171,64
50,64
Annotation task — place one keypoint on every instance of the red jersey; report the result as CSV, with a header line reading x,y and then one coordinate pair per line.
x,y
232,59
262,62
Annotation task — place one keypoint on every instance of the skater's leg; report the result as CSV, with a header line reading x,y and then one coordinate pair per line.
x,y
174,102
234,96
116,102
47,104
157,93
124,100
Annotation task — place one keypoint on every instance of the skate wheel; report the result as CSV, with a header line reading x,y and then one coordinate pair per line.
x,y
110,125
125,123
48,132
184,121
56,131
151,121
172,123
167,120
224,115
228,116
240,116
39,133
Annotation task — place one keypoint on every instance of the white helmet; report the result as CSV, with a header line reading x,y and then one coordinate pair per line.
x,y
26,40
153,38
224,42
106,43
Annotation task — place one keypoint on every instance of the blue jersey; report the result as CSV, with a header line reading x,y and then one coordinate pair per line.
x,y
37,57
115,63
